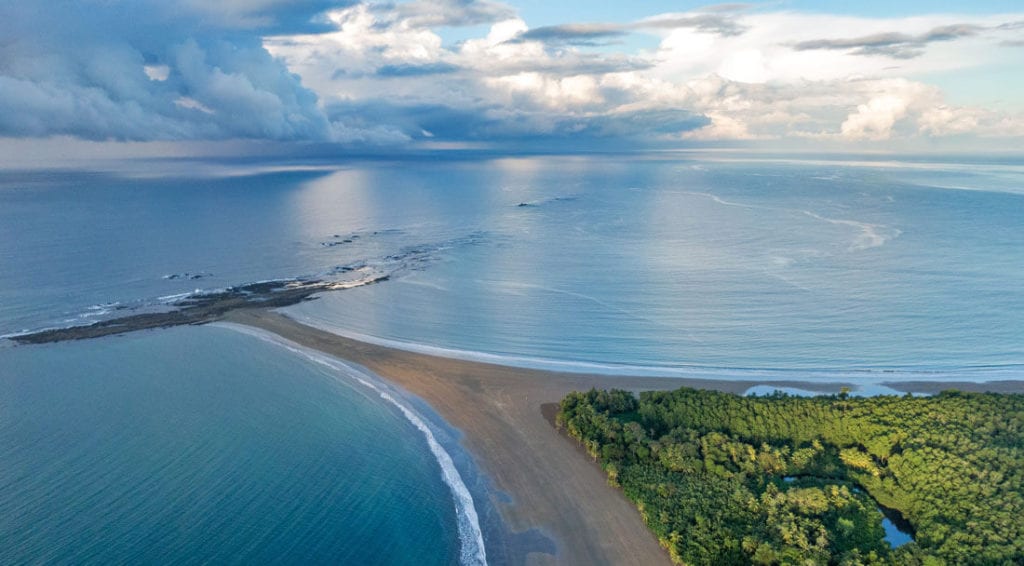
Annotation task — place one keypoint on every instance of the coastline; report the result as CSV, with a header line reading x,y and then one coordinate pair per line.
x,y
504,415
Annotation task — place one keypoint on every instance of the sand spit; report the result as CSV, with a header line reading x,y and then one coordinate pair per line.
x,y
505,415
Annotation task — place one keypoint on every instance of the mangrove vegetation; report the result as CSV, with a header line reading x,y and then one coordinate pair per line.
x,y
725,479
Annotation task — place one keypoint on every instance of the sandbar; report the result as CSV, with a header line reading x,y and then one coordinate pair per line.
x,y
505,415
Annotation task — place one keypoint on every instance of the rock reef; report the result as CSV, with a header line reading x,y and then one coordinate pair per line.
x,y
200,308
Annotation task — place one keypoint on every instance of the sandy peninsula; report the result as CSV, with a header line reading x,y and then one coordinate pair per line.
x,y
505,416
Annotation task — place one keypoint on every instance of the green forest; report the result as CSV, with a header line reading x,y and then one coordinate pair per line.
x,y
727,479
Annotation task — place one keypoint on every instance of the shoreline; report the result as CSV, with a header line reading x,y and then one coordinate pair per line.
x,y
504,416
866,379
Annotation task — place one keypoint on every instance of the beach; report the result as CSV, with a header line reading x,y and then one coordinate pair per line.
x,y
505,415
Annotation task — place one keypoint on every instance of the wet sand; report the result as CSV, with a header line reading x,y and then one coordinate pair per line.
x,y
505,415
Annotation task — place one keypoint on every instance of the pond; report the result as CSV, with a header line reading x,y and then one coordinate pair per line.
x,y
898,531
894,535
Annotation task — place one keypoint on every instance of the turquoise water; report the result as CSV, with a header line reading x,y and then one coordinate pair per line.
x,y
203,444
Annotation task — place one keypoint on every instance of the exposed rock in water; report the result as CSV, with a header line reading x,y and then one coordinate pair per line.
x,y
199,309
187,275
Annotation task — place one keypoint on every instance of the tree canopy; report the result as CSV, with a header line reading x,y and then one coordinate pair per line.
x,y
722,478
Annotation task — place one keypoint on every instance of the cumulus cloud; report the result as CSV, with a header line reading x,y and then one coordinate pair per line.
x,y
502,87
390,73
875,119
152,70
720,73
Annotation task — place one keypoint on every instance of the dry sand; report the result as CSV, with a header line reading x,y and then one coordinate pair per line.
x,y
500,410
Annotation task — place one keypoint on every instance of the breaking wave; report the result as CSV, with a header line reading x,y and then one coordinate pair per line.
x,y
471,540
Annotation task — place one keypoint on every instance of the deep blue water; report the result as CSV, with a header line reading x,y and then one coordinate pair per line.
x,y
203,445
698,265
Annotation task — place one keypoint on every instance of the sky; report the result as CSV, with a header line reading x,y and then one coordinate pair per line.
x,y
520,75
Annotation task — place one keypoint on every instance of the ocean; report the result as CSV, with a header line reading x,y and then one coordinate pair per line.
x,y
205,443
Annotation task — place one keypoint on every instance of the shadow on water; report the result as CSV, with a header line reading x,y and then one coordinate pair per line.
x,y
898,530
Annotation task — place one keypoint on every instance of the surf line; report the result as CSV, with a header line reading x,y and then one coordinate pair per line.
x,y
471,539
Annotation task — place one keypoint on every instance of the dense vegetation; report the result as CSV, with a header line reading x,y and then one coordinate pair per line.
x,y
724,479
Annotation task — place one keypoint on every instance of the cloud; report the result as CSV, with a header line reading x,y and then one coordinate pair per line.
x,y
893,44
504,91
726,73
152,70
574,34
876,118
266,16
715,22
502,124
569,65
718,21
446,13
390,74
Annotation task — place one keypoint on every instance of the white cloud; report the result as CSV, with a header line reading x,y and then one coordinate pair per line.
x,y
722,127
875,119
148,70
382,74
193,104
157,72
742,70
767,47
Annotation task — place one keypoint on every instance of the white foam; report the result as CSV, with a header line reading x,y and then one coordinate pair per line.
x,y
870,236
175,297
472,551
98,310
423,283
